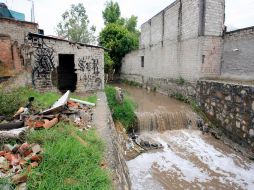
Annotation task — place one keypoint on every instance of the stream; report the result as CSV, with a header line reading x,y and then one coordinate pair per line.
x,y
189,159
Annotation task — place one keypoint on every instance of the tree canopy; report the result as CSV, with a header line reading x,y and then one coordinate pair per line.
x,y
112,13
75,25
120,35
119,41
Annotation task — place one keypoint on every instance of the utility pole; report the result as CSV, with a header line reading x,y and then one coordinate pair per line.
x,y
32,11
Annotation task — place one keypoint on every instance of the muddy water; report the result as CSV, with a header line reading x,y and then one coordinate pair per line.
x,y
157,112
189,160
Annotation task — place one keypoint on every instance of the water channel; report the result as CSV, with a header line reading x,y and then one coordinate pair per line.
x,y
189,159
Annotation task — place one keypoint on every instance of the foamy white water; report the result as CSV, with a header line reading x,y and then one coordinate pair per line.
x,y
192,161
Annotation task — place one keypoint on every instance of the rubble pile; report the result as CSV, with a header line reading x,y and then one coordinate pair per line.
x,y
16,161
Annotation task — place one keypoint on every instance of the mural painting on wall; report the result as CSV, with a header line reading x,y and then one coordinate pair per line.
x,y
90,66
43,60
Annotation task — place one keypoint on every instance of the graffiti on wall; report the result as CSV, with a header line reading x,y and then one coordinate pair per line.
x,y
43,63
90,67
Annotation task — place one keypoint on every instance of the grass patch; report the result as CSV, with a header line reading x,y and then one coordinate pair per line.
x,y
71,159
10,101
92,98
67,163
131,83
121,112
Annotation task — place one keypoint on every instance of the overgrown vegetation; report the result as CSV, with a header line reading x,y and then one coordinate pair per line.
x,y
71,160
180,81
131,83
10,101
120,35
123,112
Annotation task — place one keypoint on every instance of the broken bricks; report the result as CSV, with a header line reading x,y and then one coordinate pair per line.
x,y
14,159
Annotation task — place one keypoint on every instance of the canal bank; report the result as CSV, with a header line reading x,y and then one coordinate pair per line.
x,y
188,159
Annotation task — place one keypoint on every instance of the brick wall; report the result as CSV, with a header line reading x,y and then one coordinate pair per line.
x,y
17,30
12,39
6,64
173,45
238,57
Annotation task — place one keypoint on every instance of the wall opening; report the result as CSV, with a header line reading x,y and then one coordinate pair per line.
x,y
67,78
142,61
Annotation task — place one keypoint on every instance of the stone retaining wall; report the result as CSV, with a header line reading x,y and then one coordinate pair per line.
x,y
231,107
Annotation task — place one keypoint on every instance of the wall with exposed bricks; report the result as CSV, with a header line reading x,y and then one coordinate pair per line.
x,y
12,39
44,53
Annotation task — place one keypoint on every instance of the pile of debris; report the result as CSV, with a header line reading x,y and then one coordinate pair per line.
x,y
66,109
16,159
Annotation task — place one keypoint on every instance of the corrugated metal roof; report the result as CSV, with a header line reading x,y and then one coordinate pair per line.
x,y
4,11
18,15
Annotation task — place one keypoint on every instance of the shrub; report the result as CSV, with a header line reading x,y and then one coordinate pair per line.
x,y
180,81
121,112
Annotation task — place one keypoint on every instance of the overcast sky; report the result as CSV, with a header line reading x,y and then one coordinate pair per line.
x,y
239,13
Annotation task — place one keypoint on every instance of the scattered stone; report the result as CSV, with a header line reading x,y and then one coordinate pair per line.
x,y
36,148
7,148
200,122
36,158
238,124
4,164
21,186
228,98
34,164
5,187
119,95
205,128
19,178
251,133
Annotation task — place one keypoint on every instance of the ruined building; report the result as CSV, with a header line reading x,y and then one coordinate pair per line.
x,y
48,63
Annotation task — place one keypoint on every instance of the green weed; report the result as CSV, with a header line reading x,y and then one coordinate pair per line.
x,y
121,112
68,163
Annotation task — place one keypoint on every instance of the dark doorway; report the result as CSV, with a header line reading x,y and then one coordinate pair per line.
x,y
67,78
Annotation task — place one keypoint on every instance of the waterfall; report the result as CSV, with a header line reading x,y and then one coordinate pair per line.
x,y
161,120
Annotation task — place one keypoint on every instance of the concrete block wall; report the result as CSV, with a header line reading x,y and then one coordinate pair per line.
x,y
174,47
214,17
88,60
238,56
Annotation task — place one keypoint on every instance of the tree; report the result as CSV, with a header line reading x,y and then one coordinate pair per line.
x,y
112,13
119,41
131,24
75,25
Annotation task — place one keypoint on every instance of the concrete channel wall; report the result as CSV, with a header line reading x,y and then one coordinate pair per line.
x,y
114,141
